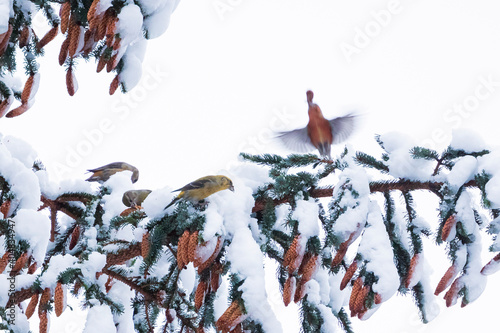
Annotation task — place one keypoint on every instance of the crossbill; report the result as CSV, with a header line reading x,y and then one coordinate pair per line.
x,y
320,133
201,188
103,173
134,198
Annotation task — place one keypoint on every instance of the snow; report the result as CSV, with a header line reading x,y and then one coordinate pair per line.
x,y
94,264
330,322
158,21
24,183
354,206
99,319
187,277
123,294
5,13
401,163
57,264
20,150
375,248
463,170
214,223
467,140
306,212
34,228
247,260
493,191
156,201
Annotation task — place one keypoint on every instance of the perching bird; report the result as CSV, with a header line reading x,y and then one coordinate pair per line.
x,y
201,188
320,133
103,173
134,198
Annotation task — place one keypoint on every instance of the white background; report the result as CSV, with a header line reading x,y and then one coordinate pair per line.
x,y
228,73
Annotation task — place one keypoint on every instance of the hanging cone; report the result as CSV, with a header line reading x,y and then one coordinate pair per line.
x,y
71,83
31,306
49,36
59,299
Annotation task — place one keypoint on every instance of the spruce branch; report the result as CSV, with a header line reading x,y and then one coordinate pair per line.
x,y
403,185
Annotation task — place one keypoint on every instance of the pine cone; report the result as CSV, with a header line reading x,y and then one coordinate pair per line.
x,y
182,250
49,36
75,236
215,276
31,306
64,13
63,53
218,247
289,290
290,258
18,111
4,107
91,13
310,268
446,279
109,283
74,34
413,264
4,39
356,288
44,322
452,294
32,268
145,245
192,245
5,207
349,274
59,299
44,299
4,261
114,84
71,83
76,287
448,226
360,301
489,267
300,290
24,36
20,263
199,296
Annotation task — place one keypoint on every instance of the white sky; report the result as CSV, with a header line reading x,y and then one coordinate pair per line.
x,y
217,83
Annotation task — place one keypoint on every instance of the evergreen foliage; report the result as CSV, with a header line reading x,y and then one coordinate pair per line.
x,y
367,242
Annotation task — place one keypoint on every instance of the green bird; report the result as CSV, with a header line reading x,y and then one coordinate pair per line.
x,y
203,187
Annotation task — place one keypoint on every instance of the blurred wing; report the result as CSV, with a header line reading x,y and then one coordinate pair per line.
x,y
197,184
342,127
297,140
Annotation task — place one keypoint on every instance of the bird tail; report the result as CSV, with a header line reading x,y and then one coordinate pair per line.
x,y
325,149
172,202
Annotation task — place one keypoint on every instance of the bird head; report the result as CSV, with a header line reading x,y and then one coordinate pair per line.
x,y
135,175
226,183
310,96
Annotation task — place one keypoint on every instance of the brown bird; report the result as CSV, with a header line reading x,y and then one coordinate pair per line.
x,y
103,173
134,198
320,133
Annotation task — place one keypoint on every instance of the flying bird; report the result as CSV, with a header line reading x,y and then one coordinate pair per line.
x,y
134,198
201,188
103,173
320,133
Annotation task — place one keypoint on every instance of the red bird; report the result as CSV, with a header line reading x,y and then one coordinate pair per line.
x,y
320,133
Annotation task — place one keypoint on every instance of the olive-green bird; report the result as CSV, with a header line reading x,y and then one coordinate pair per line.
x,y
199,189
103,173
134,198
